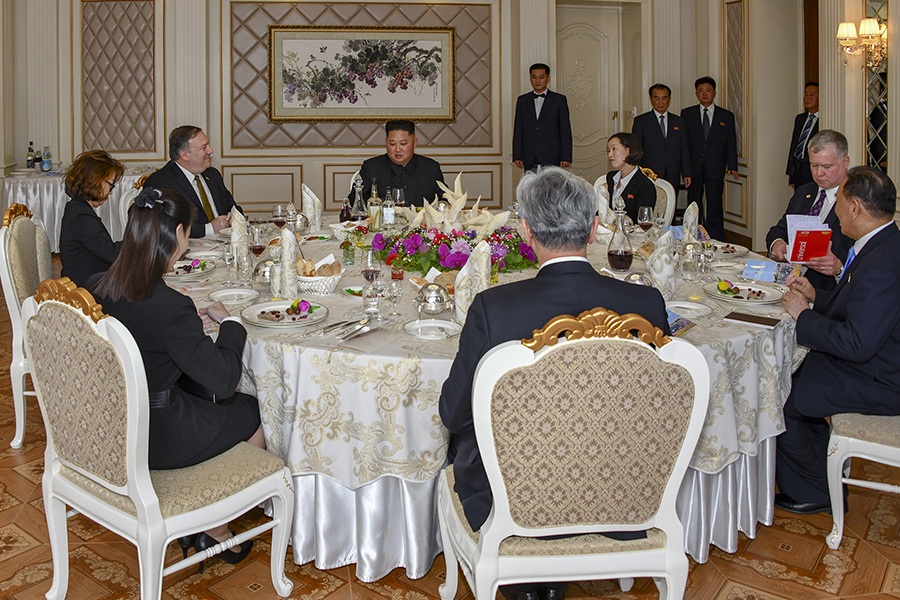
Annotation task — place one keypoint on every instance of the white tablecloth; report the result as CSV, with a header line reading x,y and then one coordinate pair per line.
x,y
362,435
45,196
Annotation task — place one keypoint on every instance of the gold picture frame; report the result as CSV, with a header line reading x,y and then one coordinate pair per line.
x,y
341,73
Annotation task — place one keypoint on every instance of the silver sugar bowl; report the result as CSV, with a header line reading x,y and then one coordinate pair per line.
x,y
433,299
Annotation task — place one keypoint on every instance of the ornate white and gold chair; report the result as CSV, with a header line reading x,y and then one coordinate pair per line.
x,y
128,197
92,390
579,437
665,194
24,262
874,438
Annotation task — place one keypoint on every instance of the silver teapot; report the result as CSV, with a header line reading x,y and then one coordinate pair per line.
x,y
433,299
297,223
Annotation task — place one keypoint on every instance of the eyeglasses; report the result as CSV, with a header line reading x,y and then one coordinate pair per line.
x,y
112,185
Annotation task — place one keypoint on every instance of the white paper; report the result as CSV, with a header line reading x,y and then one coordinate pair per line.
x,y
797,223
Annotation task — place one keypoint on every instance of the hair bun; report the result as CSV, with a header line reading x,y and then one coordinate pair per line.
x,y
148,198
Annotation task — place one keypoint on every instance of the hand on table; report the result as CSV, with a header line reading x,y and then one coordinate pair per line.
x,y
221,222
216,311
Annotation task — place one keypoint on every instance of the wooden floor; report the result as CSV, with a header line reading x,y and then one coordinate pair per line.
x,y
788,561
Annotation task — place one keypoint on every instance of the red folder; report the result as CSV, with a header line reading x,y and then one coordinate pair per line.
x,y
810,244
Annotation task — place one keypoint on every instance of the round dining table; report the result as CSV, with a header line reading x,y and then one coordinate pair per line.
x,y
357,421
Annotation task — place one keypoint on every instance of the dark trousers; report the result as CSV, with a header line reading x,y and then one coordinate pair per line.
x,y
801,459
712,216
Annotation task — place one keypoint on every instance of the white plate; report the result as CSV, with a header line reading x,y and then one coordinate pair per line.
x,y
688,310
195,274
234,295
316,237
738,250
355,288
249,314
433,329
770,294
205,254
19,175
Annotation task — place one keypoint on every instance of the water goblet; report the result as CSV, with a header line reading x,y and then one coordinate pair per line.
x,y
395,293
245,265
708,252
228,256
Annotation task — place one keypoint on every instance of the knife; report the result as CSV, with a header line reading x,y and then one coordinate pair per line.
x,y
362,332
344,335
337,325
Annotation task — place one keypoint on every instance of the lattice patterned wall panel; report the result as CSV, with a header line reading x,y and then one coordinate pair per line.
x,y
118,111
734,59
249,77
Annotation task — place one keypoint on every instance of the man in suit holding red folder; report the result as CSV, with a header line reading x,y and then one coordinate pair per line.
x,y
828,161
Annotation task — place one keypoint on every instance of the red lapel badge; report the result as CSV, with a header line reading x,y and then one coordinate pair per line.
x,y
722,123
675,128
631,196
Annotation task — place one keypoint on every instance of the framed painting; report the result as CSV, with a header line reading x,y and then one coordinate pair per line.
x,y
339,73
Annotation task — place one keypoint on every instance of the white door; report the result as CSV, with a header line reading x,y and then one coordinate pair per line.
x,y
588,60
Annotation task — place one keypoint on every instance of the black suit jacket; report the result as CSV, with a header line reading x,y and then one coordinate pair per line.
x,y
712,156
667,156
419,178
169,334
802,200
170,177
546,140
853,334
639,192
798,170
511,312
85,246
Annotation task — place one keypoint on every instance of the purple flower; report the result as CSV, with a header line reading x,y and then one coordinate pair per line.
x,y
460,246
413,244
378,242
195,263
526,252
451,260
498,251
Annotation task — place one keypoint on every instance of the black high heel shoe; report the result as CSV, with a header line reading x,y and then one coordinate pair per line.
x,y
205,541
186,543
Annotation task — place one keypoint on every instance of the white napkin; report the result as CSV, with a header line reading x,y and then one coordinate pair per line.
x,y
239,235
275,280
474,277
606,214
289,253
661,265
311,207
691,215
604,235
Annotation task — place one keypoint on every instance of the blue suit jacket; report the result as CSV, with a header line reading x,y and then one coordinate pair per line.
x,y
667,156
546,140
714,155
853,334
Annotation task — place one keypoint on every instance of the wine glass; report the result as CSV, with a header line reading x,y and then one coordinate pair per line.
x,y
371,265
278,215
645,218
228,256
395,293
399,197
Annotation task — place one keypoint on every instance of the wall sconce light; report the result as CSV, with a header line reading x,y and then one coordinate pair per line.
x,y
872,40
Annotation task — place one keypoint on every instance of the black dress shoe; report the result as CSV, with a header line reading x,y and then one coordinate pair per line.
x,y
548,593
511,593
784,502
232,558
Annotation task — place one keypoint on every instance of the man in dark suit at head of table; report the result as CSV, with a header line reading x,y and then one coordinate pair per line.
x,y
542,133
853,334
558,210
663,137
712,141
829,161
190,173
806,125
401,167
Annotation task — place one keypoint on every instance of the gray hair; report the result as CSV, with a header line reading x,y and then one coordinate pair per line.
x,y
559,207
829,137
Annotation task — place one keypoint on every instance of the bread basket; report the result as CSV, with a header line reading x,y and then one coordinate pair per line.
x,y
320,286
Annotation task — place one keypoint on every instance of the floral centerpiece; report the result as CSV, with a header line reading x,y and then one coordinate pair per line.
x,y
420,249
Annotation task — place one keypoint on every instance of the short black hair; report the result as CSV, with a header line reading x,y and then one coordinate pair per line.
x,y
874,190
400,125
180,138
705,79
811,84
659,86
539,66
635,151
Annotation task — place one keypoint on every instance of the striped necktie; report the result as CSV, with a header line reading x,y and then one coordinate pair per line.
x,y
800,148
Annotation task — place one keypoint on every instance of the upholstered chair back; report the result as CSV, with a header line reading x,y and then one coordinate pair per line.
x,y
607,417
28,250
82,389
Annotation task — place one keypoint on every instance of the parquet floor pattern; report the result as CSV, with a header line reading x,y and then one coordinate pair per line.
x,y
787,561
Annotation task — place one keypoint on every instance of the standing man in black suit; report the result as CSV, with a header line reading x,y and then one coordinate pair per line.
x,y
854,338
190,173
663,137
713,147
828,155
401,167
806,125
542,133
558,212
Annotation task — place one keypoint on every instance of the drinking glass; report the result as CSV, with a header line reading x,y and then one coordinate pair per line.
x,y
257,240
645,218
371,265
690,254
708,252
395,293
228,256
278,215
245,265
399,197
373,296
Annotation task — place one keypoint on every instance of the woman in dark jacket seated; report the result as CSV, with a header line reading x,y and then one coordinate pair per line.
x,y
636,189
85,247
185,428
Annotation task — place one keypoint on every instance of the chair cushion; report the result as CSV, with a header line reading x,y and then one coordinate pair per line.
x,y
183,490
868,428
28,250
458,507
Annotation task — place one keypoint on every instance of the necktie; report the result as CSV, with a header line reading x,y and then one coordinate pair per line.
x,y
203,199
817,207
541,95
850,256
705,123
800,148
662,124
